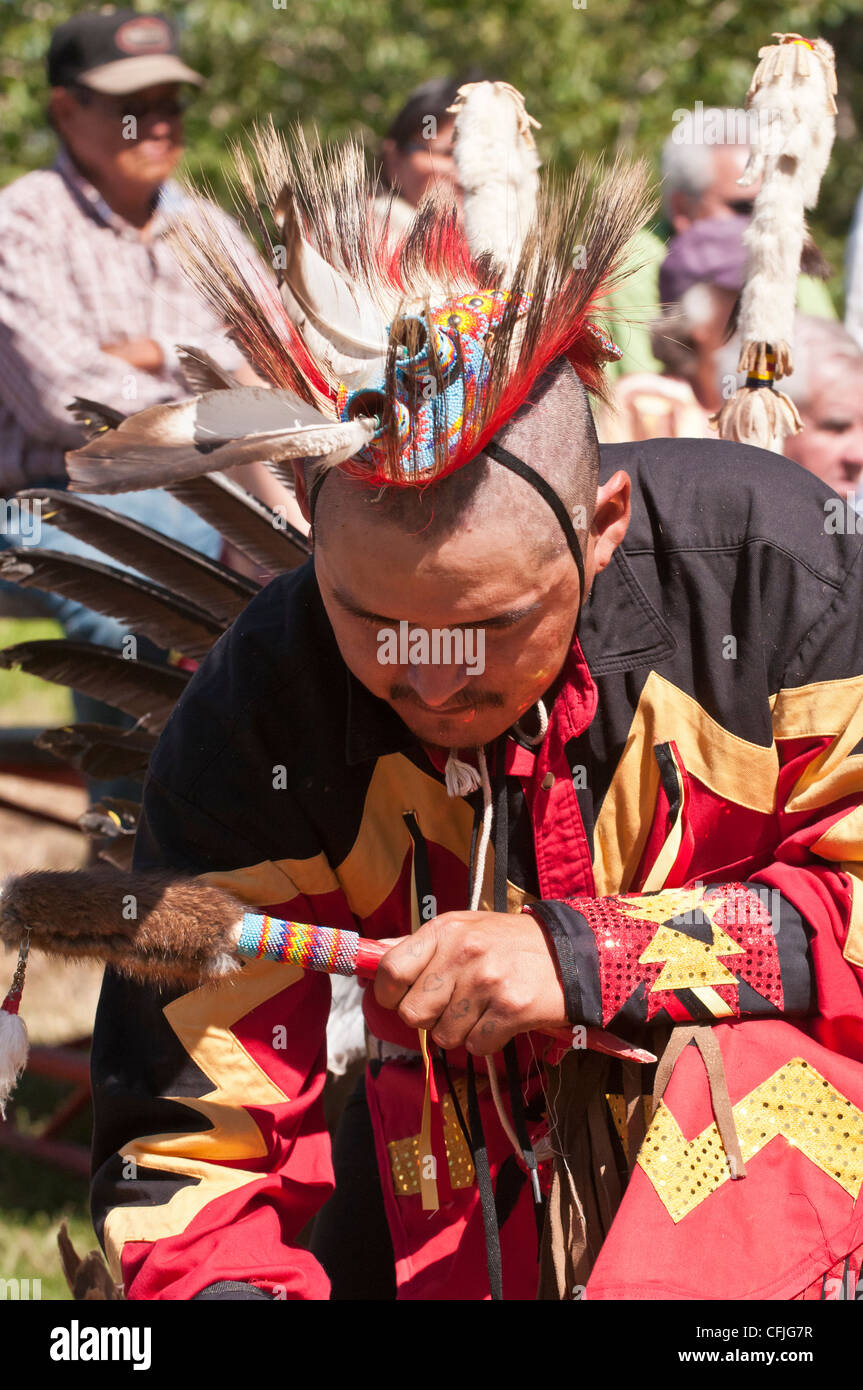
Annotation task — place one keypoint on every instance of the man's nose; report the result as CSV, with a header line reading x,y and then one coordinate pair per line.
x,y
157,126
852,461
437,685
852,454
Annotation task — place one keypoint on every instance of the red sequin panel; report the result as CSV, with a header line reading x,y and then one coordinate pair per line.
x,y
620,940
743,915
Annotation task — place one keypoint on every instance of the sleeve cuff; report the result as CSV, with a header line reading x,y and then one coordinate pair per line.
x,y
233,1290
575,947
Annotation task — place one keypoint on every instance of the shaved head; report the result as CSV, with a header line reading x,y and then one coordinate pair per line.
x,y
553,432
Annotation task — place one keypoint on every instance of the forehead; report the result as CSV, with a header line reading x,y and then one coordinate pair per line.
x,y
405,569
838,386
729,161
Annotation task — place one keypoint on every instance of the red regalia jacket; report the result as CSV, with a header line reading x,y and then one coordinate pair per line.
x,y
706,737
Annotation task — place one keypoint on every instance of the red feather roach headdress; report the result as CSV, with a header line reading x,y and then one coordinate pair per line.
x,y
397,361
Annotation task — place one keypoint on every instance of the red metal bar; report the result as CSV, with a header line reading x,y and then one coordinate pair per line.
x,y
71,1156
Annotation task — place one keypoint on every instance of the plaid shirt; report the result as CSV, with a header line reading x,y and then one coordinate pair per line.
x,y
73,275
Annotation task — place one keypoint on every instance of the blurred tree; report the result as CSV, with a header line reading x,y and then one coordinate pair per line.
x,y
601,75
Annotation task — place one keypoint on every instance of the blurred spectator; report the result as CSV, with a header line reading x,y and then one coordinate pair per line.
x,y
702,160
92,299
699,175
699,282
417,151
827,387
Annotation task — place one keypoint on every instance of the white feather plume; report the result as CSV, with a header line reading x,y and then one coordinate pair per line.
x,y
14,1049
339,322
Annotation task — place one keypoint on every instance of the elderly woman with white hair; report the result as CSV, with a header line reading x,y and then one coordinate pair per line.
x,y
827,388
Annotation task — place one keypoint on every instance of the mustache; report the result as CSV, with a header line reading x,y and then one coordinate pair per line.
x,y
480,699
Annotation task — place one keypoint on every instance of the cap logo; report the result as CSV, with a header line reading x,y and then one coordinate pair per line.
x,y
147,34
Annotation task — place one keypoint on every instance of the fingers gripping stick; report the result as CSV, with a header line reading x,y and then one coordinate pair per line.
x,y
336,952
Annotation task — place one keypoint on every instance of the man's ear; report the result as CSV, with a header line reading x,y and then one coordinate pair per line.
x,y
300,489
680,211
610,519
61,104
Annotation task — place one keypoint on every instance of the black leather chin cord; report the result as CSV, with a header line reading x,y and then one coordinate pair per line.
x,y
547,493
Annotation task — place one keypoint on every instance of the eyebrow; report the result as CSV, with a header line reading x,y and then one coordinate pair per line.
x,y
509,618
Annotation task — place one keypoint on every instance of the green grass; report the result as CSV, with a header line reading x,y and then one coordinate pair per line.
x,y
26,701
36,1196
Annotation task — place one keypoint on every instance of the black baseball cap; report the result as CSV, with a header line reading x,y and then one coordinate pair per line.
x,y
116,53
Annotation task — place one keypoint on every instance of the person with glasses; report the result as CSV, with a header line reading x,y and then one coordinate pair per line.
x,y
701,162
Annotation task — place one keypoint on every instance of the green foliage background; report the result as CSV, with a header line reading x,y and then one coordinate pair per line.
x,y
605,76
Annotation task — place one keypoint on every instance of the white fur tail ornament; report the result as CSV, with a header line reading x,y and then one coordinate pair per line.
x,y
792,98
497,162
14,1047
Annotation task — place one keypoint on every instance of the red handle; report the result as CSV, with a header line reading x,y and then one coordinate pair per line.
x,y
369,956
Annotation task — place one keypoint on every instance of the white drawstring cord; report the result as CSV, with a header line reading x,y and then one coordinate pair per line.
x,y
462,779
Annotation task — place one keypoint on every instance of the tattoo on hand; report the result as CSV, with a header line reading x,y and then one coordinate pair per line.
x,y
432,982
460,1008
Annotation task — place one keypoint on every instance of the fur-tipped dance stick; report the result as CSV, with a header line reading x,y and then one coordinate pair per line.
x,y
181,931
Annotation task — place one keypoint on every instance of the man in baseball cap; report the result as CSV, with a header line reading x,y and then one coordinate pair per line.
x,y
116,53
92,299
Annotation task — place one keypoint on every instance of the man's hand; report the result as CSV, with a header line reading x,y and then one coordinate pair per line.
x,y
474,979
143,353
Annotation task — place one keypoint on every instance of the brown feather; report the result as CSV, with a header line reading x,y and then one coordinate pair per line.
x,y
147,609
93,417
257,532
204,582
100,750
140,688
201,372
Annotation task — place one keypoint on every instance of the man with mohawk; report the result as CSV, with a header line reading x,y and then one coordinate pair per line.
x,y
640,821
